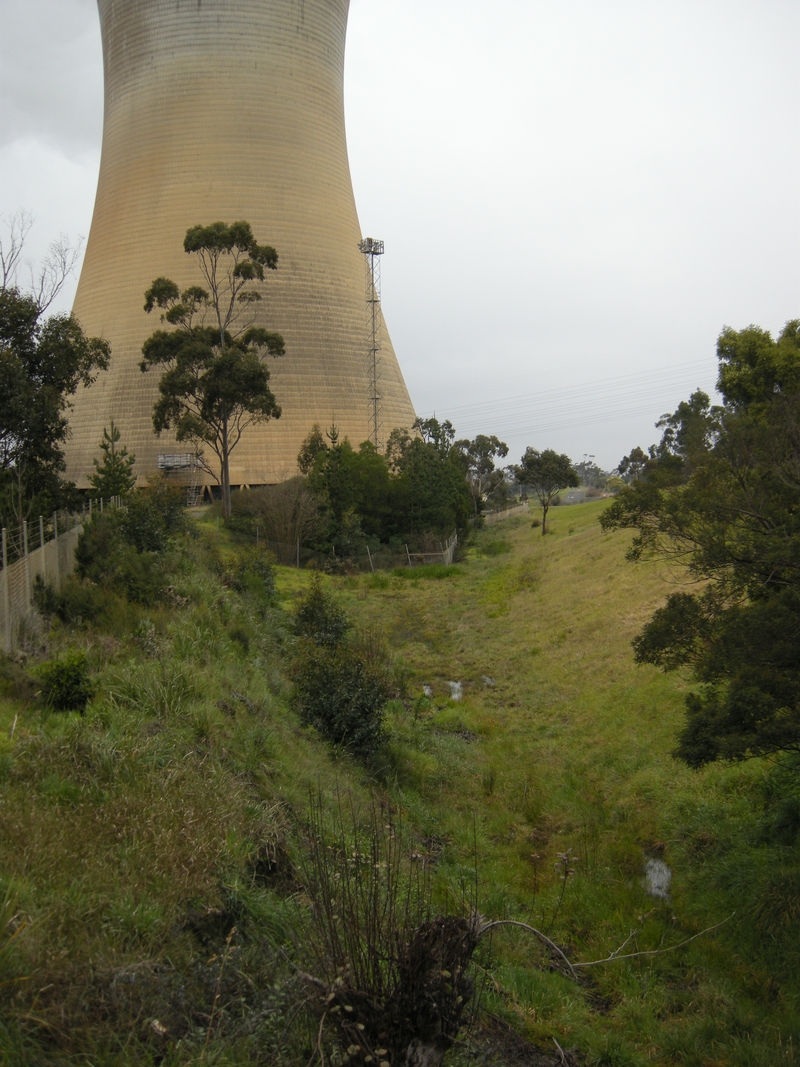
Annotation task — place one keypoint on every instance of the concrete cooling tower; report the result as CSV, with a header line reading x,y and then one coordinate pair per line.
x,y
227,110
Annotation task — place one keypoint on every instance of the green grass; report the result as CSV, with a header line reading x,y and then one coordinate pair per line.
x,y
427,572
132,837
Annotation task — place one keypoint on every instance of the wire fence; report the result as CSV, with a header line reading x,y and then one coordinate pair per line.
x,y
359,561
43,548
491,517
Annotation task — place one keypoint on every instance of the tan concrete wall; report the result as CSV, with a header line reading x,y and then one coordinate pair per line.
x,y
225,110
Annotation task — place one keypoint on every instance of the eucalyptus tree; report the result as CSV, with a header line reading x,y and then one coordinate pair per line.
x,y
215,383
546,474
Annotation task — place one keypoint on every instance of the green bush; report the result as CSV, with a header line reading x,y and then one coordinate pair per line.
x,y
341,689
153,515
45,598
66,683
251,571
106,557
341,695
80,602
319,619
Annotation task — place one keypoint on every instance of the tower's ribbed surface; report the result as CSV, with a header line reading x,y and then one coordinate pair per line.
x,y
229,109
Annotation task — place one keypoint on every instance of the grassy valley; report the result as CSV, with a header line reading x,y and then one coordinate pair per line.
x,y
157,850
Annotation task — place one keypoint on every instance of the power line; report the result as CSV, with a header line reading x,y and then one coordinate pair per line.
x,y
610,384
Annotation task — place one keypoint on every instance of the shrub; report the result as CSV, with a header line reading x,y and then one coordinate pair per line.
x,y
106,557
319,619
251,571
495,548
79,601
152,516
342,696
66,683
45,597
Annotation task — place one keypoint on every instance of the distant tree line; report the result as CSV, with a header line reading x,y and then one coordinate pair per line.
x,y
213,384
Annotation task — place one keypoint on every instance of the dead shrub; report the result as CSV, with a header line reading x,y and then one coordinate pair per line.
x,y
392,977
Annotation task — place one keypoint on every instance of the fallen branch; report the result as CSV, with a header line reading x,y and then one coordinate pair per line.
x,y
653,951
487,926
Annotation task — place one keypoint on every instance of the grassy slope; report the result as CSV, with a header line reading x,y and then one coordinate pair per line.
x,y
130,831
573,752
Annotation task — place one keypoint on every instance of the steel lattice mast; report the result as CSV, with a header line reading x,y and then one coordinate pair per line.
x,y
372,251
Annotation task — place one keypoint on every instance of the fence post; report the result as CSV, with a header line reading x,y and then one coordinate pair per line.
x,y
56,553
6,608
27,566
369,554
298,553
41,546
409,556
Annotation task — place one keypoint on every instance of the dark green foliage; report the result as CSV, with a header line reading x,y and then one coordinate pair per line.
x,y
152,515
432,491
113,474
310,449
319,619
80,602
720,495
341,689
350,484
419,487
42,364
342,696
214,382
45,598
66,683
122,549
252,570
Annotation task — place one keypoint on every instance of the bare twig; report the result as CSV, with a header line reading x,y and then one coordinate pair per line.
x,y
561,1054
319,1040
654,951
573,967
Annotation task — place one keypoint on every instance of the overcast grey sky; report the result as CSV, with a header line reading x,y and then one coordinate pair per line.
x,y
575,196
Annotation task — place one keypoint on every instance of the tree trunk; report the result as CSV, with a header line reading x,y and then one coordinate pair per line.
x,y
225,471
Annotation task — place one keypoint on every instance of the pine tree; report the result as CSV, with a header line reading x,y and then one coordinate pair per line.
x,y
113,474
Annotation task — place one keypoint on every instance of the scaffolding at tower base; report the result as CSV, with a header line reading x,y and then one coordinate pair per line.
x,y
187,467
372,250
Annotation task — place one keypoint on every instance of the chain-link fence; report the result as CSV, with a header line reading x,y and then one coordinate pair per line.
x,y
43,548
491,517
